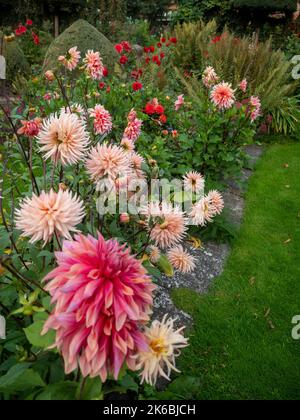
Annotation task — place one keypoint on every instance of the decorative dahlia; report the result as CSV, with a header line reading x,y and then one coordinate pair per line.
x,y
209,77
64,138
107,161
133,129
102,119
181,260
167,224
40,217
102,294
216,202
243,85
94,65
222,95
30,128
193,181
202,212
255,108
71,59
164,344
179,102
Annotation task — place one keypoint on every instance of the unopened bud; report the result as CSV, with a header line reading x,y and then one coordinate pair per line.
x,y
124,218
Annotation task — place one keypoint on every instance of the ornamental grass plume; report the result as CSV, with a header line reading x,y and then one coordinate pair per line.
x,y
109,161
102,119
40,217
164,345
101,296
167,224
64,138
71,59
222,95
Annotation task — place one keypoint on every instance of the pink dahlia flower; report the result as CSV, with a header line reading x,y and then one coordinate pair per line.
x,y
222,95
127,144
71,59
209,77
64,138
40,217
94,65
30,128
133,129
255,108
181,260
167,224
102,295
243,85
102,119
107,161
179,102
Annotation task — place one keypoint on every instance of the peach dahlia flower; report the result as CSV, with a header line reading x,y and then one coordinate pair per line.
x,y
222,95
71,59
181,260
109,161
101,296
64,138
167,224
40,217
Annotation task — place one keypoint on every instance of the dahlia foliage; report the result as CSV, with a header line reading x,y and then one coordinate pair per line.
x,y
96,266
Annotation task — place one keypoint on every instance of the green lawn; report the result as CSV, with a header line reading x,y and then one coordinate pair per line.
x,y
241,345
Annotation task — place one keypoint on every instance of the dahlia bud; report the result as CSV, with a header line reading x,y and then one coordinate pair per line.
x,y
174,133
49,75
62,186
165,132
152,162
124,218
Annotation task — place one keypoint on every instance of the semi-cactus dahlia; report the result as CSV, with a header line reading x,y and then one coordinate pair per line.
x,y
193,181
243,85
40,217
102,119
108,161
209,77
222,95
164,344
64,138
167,224
216,202
181,260
102,295
71,59
201,212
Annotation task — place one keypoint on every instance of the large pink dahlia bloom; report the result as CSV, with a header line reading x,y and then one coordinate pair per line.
x,y
102,295
64,138
222,95
40,217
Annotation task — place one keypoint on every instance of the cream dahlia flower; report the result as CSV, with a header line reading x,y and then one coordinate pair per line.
x,y
64,138
164,344
181,260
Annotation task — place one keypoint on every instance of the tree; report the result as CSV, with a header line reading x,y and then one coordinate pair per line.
x,y
145,9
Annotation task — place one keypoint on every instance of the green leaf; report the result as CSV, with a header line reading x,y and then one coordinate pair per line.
x,y
185,386
60,391
33,334
20,378
92,389
128,383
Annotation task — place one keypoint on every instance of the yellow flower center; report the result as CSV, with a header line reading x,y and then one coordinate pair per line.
x,y
158,346
164,225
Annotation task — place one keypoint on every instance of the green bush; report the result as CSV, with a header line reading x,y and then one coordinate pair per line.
x,y
16,62
85,37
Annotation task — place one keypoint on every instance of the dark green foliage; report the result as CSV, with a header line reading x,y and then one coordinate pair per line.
x,y
85,37
16,61
267,4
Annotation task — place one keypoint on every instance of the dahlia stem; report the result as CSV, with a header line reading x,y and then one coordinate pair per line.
x,y
11,238
82,385
63,91
23,152
57,240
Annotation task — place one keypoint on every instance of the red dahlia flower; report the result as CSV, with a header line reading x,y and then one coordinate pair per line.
x,y
137,86
123,59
